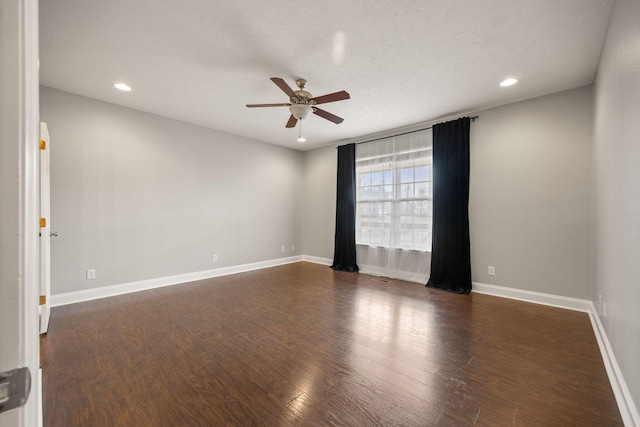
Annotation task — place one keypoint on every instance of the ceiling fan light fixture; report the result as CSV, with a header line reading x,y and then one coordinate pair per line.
x,y
300,111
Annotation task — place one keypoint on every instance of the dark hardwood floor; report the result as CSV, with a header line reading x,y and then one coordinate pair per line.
x,y
302,345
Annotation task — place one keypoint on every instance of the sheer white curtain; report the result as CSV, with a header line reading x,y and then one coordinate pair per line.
x,y
393,206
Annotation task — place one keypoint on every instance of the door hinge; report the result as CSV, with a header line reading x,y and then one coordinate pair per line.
x,y
43,299
43,144
43,222
14,388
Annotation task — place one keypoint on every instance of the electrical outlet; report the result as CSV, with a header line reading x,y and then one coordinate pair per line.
x,y
215,257
281,248
491,270
599,300
91,274
293,247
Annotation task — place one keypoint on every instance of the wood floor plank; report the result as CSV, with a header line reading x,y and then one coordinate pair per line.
x,y
300,345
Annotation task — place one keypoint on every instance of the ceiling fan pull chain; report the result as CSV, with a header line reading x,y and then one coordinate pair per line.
x,y
300,137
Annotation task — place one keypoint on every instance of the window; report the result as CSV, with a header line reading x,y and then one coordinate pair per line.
x,y
393,192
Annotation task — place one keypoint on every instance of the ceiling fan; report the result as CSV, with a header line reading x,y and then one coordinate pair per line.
x,y
302,102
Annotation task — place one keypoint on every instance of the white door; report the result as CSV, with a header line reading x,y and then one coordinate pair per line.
x,y
45,228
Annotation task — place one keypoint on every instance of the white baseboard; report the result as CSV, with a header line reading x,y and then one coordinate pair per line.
x,y
143,285
627,407
531,296
317,260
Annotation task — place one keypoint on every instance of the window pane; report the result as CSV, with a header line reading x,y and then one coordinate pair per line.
x,y
406,239
406,175
377,236
365,235
376,192
423,173
406,191
365,179
374,209
388,177
386,237
423,239
423,189
388,192
376,220
421,222
405,208
364,193
376,178
387,208
406,222
421,207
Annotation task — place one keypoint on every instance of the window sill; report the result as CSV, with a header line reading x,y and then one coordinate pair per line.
x,y
397,249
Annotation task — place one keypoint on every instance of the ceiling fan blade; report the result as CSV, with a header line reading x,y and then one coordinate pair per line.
x,y
326,115
284,86
332,97
268,105
292,122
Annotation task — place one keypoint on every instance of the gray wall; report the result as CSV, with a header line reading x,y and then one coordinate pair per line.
x,y
319,195
616,176
530,195
530,205
137,196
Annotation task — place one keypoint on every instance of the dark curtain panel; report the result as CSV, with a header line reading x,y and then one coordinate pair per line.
x,y
451,253
344,255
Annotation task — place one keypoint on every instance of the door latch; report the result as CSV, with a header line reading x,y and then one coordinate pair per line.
x,y
14,388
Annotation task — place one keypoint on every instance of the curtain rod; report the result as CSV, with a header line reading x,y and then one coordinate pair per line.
x,y
473,119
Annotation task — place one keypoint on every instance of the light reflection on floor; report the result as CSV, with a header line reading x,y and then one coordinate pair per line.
x,y
390,339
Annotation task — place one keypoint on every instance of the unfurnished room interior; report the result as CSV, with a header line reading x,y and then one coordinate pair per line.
x,y
413,213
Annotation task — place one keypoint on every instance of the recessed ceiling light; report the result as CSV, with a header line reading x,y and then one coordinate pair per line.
x,y
508,82
122,86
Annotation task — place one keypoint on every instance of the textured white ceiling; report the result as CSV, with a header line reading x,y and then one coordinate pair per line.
x,y
402,61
